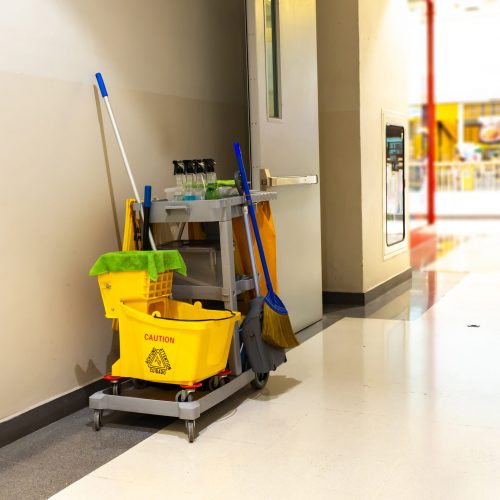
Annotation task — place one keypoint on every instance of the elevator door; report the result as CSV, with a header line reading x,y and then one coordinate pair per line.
x,y
283,86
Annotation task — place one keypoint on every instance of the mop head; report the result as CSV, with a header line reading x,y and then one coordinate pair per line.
x,y
276,328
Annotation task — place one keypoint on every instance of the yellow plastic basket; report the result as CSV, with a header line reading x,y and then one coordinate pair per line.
x,y
132,286
191,346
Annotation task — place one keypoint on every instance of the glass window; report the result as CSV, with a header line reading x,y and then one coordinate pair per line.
x,y
272,58
395,183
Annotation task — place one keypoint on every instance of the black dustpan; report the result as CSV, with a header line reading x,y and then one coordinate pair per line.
x,y
262,357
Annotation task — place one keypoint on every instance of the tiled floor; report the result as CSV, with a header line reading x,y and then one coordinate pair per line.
x,y
397,400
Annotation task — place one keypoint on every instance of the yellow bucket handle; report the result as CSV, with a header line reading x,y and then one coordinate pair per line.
x,y
232,315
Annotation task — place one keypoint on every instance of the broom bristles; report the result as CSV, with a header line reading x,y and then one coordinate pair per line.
x,y
277,329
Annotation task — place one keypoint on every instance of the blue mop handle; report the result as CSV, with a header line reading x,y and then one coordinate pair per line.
x,y
102,86
251,209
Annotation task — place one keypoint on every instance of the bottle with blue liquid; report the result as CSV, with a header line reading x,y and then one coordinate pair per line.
x,y
190,183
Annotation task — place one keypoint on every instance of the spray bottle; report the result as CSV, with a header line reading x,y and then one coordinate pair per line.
x,y
200,182
212,192
179,180
189,185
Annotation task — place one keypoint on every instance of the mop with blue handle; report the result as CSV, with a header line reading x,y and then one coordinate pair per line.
x,y
276,327
104,95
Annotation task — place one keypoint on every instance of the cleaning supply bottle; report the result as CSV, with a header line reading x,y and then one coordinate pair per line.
x,y
189,184
179,180
212,192
200,182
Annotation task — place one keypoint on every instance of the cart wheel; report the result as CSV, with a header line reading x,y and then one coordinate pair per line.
x,y
138,383
214,383
190,428
260,380
222,382
97,421
184,397
116,388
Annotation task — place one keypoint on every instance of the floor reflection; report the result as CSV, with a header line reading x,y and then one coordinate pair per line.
x,y
438,257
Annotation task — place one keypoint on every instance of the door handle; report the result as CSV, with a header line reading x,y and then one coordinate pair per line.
x,y
267,181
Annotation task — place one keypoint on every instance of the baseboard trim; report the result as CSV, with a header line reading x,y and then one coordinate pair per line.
x,y
362,298
36,418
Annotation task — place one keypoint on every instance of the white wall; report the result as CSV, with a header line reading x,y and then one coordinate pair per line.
x,y
175,71
465,50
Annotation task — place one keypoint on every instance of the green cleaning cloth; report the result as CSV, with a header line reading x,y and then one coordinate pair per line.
x,y
155,261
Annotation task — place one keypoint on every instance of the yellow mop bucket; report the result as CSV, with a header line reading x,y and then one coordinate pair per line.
x,y
136,276
189,345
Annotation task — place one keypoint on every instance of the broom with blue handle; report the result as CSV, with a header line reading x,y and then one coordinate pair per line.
x,y
276,327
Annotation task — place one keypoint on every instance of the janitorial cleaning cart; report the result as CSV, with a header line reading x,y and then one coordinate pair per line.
x,y
177,357
195,352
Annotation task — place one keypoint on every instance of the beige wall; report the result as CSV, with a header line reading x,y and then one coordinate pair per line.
x,y
340,152
175,71
362,70
383,85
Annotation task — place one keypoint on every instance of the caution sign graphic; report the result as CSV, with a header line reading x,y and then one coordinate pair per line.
x,y
158,362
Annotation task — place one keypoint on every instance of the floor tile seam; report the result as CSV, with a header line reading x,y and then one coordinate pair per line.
x,y
105,477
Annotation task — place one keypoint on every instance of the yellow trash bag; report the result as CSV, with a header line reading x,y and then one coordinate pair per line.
x,y
241,255
268,236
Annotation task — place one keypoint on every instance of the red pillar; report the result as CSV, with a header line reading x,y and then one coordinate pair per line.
x,y
431,116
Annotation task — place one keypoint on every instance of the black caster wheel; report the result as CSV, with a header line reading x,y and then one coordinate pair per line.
x,y
97,419
214,383
260,380
190,428
184,397
115,388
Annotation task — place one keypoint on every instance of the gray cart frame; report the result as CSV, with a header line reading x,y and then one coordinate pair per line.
x,y
222,211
